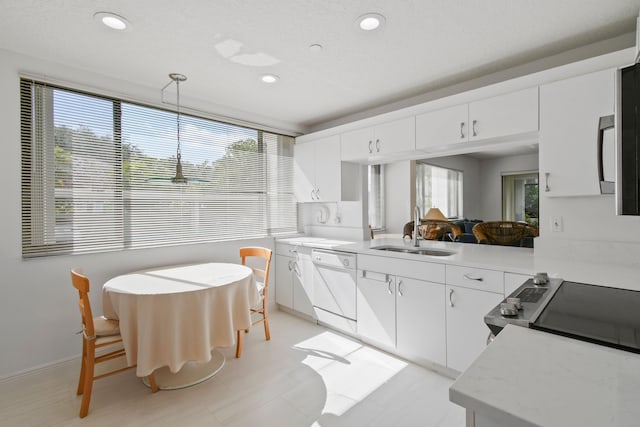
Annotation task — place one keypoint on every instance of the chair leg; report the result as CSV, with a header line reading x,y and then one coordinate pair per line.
x,y
152,382
239,345
88,385
267,334
83,367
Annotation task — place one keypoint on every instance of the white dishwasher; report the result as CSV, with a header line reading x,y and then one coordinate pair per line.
x,y
334,288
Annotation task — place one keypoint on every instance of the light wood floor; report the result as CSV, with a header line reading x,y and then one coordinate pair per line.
x,y
305,376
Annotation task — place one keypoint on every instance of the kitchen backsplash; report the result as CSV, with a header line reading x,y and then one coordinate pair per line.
x,y
336,220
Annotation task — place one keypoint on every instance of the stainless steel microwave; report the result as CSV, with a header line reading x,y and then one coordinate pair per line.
x,y
627,141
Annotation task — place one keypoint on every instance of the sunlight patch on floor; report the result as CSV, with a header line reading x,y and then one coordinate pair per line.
x,y
349,370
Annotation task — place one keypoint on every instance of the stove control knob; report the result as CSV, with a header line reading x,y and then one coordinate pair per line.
x,y
541,279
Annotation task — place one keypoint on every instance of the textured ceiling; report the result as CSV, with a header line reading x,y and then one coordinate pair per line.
x,y
223,46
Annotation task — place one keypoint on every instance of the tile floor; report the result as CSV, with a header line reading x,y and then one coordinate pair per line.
x,y
306,375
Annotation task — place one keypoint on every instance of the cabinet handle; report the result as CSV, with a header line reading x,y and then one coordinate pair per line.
x,y
293,251
475,132
450,297
461,130
290,268
477,279
400,288
370,147
377,145
546,182
389,287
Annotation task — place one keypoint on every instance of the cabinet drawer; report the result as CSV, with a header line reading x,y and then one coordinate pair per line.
x,y
476,278
420,270
286,249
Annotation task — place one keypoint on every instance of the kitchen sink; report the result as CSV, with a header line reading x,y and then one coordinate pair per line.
x,y
419,251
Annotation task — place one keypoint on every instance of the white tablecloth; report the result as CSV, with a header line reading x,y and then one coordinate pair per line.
x,y
173,315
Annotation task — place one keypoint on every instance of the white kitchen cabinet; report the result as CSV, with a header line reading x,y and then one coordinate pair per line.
x,y
284,281
379,142
466,331
403,315
512,114
294,278
509,114
376,308
569,114
303,283
420,320
441,127
318,173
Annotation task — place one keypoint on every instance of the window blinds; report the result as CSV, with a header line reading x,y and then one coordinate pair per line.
x,y
90,169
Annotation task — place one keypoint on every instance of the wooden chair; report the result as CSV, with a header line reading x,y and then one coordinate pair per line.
x,y
505,233
431,229
97,333
262,279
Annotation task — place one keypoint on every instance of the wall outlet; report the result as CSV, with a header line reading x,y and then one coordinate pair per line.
x,y
556,224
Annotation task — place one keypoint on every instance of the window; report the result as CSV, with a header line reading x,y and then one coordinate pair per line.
x,y
520,198
440,188
88,163
376,196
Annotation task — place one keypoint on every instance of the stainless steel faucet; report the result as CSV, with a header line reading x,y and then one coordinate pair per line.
x,y
416,221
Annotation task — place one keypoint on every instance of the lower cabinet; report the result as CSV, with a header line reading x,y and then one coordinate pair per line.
x,y
294,279
402,314
466,331
420,320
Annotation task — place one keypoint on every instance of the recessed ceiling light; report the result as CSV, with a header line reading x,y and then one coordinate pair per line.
x,y
113,21
269,78
315,48
370,21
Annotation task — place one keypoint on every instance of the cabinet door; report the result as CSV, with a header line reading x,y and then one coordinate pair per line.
x,y
569,114
303,282
446,126
376,308
357,145
395,137
466,331
510,114
420,320
304,172
328,169
284,281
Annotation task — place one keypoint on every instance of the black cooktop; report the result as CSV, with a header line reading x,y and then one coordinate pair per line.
x,y
598,314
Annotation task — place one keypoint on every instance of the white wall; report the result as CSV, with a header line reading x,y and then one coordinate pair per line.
x,y
38,306
398,192
490,181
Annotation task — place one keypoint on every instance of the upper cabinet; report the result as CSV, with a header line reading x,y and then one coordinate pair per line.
x,y
512,114
318,173
570,111
446,126
379,143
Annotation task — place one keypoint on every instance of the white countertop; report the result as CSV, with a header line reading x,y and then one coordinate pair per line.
x,y
533,378
512,259
315,242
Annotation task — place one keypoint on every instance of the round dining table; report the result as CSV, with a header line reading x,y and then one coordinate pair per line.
x,y
173,319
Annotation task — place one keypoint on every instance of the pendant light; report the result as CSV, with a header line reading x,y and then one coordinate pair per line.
x,y
179,177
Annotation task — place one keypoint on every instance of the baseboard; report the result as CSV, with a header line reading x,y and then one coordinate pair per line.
x,y
37,369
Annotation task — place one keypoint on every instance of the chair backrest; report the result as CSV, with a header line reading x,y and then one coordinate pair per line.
x,y
432,229
81,283
506,233
258,252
